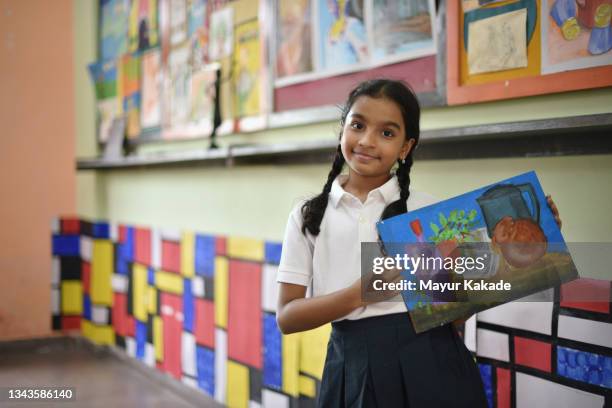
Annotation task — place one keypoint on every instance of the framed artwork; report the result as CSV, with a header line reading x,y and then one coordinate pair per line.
x,y
500,50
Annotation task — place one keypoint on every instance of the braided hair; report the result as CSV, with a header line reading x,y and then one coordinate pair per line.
x,y
399,92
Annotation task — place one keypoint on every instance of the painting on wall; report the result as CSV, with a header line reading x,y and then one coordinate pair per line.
x,y
576,34
143,26
293,38
342,37
151,100
221,34
402,28
247,70
109,102
114,21
131,94
501,50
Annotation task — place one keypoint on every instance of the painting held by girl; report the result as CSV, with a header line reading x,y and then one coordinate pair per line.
x,y
374,357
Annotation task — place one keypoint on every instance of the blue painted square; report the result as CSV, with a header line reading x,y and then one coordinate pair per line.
x,y
486,373
151,276
66,245
584,366
273,252
127,246
141,339
205,255
122,266
206,369
187,306
272,362
101,230
86,307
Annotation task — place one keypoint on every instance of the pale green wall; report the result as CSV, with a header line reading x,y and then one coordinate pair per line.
x,y
255,200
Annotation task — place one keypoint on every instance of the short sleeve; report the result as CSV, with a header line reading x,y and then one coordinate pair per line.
x,y
296,256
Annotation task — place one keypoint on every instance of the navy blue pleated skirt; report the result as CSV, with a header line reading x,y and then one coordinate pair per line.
x,y
381,362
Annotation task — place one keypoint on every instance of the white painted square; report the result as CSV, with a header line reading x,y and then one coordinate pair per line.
x,y
469,335
221,365
188,354
99,314
119,283
533,316
130,346
254,404
271,399
269,288
55,302
586,331
155,248
55,225
191,382
55,271
114,231
149,355
492,344
86,248
170,234
533,391
197,286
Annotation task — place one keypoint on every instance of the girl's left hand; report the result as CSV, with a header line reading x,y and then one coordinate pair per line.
x,y
553,208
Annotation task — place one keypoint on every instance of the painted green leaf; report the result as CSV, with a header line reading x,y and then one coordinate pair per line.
x,y
442,219
434,228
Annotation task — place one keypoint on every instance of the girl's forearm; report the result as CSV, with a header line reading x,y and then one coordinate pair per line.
x,y
308,313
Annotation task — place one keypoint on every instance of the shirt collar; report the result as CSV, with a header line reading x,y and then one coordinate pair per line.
x,y
388,191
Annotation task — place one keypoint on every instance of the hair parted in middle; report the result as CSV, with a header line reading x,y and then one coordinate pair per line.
x,y
399,92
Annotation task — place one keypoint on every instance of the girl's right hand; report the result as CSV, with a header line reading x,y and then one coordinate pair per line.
x,y
364,288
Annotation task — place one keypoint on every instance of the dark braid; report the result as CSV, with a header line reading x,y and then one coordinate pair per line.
x,y
400,93
403,180
314,209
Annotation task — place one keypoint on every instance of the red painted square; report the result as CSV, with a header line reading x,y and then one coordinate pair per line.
x,y
71,322
503,388
244,318
130,326
70,226
220,245
119,314
172,317
532,353
586,294
86,276
122,233
204,323
142,254
171,256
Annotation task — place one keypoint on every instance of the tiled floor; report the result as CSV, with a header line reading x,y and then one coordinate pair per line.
x,y
100,378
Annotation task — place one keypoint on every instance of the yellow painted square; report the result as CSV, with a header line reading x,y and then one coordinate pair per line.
x,y
188,254
72,297
103,335
101,272
221,291
313,348
139,291
290,364
307,386
169,282
246,248
237,385
158,338
151,300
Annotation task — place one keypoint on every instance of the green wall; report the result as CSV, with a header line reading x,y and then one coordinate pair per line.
x,y
255,200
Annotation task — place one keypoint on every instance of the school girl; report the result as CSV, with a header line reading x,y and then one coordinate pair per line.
x,y
374,357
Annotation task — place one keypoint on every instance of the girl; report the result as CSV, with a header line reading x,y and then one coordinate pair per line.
x,y
374,358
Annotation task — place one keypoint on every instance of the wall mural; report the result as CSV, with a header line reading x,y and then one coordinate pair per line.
x,y
201,308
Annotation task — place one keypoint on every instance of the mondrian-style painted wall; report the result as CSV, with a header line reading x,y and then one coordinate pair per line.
x,y
201,308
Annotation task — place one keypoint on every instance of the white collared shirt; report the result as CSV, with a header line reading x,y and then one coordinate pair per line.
x,y
332,260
